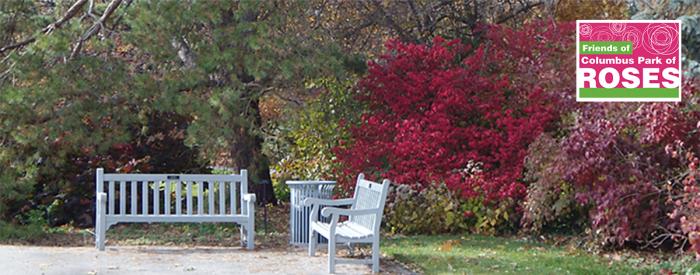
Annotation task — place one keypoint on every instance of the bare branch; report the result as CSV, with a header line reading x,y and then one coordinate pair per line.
x,y
119,19
525,8
95,28
70,13
17,45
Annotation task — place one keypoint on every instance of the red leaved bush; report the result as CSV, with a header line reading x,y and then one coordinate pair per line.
x,y
687,205
439,113
632,164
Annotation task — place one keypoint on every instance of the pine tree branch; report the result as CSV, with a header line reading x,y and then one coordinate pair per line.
x,y
95,28
70,13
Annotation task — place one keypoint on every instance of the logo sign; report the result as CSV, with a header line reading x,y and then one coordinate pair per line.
x,y
628,60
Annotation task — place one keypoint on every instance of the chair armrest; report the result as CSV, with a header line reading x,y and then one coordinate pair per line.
x,y
317,201
328,211
249,197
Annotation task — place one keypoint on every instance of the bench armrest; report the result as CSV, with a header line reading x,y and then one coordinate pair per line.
x,y
328,211
317,201
101,197
249,197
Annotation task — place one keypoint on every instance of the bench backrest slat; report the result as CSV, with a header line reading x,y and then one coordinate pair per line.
x,y
189,198
144,197
111,198
369,195
221,193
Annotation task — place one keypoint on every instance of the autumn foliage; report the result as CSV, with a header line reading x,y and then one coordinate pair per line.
x,y
449,113
454,114
634,164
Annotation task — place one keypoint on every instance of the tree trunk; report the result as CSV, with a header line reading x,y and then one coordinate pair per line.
x,y
247,153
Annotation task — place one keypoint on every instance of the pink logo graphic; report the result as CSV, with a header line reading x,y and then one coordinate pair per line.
x,y
633,60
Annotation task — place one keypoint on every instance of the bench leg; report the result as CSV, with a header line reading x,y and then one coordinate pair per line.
x,y
100,224
99,243
312,242
331,254
250,227
101,238
375,256
250,238
242,229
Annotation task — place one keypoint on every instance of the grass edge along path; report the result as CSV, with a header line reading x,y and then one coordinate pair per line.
x,y
476,254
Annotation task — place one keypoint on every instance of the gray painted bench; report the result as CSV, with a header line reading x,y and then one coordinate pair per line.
x,y
149,198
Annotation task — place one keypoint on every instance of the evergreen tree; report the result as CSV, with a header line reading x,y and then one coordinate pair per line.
x,y
125,85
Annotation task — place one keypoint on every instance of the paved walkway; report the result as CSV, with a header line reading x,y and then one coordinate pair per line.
x,y
25,260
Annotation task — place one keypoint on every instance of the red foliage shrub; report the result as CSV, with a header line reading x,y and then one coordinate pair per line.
x,y
628,162
438,111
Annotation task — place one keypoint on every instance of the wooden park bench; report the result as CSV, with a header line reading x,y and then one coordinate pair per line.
x,y
149,198
362,226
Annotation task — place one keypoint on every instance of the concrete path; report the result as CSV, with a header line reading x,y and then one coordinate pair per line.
x,y
26,260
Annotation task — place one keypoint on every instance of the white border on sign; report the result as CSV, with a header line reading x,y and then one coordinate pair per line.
x,y
680,88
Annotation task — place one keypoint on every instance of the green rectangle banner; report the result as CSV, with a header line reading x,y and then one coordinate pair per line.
x,y
605,47
629,93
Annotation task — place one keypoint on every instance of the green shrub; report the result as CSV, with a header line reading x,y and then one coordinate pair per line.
x,y
301,146
33,226
437,209
430,211
492,218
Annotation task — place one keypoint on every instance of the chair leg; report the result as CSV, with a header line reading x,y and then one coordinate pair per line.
x,y
331,254
375,256
312,243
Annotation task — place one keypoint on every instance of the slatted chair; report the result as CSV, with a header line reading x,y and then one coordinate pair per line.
x,y
362,226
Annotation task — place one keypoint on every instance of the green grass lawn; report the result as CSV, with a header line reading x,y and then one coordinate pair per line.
x,y
475,254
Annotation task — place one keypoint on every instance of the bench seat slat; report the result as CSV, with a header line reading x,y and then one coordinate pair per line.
x,y
347,230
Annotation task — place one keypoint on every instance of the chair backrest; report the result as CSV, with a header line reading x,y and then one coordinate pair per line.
x,y
369,194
